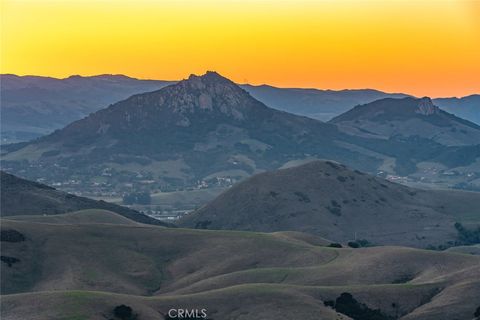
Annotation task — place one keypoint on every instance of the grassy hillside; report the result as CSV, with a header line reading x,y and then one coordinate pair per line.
x,y
235,275
329,200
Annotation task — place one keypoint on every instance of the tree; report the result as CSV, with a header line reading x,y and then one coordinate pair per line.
x,y
353,244
466,236
349,306
123,312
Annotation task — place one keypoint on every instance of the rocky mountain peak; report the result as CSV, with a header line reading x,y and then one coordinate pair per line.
x,y
209,92
426,107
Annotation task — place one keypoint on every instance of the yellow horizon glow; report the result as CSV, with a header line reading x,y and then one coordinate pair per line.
x,y
422,47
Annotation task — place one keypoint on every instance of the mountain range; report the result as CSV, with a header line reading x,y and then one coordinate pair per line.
x,y
206,128
33,106
337,227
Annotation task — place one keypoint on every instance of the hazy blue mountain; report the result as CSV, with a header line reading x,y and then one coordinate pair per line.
x,y
406,118
315,103
32,106
467,107
327,104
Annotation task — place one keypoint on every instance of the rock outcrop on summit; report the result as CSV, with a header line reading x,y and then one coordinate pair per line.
x,y
426,107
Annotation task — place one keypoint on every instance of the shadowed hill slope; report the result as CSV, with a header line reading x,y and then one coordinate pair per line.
x,y
332,201
24,197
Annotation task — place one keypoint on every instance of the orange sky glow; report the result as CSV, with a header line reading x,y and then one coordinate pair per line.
x,y
421,47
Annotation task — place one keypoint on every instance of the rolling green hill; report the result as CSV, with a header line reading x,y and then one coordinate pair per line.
x,y
234,275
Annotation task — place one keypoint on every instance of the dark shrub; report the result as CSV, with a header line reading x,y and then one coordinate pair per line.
x,y
302,197
467,237
329,303
364,243
347,305
11,235
123,312
335,245
9,260
335,210
335,204
353,244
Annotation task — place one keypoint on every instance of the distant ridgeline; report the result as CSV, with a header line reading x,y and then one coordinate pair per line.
x,y
33,106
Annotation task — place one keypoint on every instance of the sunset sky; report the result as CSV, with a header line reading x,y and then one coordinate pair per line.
x,y
423,47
